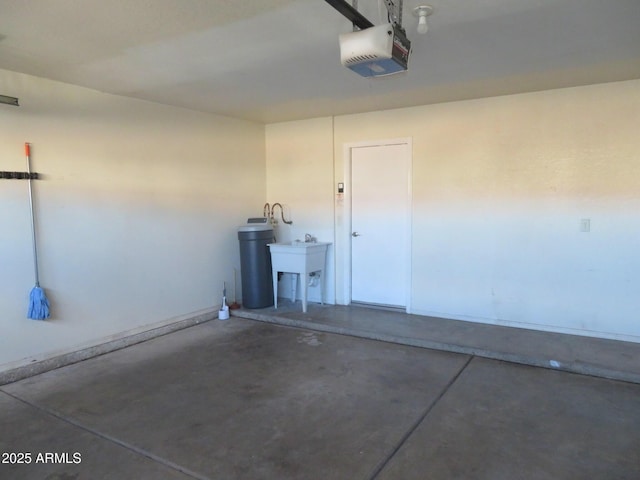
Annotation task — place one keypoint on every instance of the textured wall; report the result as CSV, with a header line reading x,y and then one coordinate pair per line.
x,y
137,212
500,186
300,176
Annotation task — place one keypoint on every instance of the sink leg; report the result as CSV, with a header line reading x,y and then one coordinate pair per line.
x,y
294,286
275,289
304,279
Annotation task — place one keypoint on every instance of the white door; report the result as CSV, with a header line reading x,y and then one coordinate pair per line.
x,y
380,195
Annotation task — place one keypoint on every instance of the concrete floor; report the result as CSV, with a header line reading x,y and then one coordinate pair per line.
x,y
243,399
613,359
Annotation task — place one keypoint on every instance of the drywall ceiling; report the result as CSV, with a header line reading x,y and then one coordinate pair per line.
x,y
277,60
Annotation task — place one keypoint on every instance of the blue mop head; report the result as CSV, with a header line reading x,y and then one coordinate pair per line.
x,y
38,304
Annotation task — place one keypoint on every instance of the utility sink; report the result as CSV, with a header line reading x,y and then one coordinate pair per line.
x,y
302,258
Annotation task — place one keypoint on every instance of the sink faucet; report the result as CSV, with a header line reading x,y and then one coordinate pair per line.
x,y
308,238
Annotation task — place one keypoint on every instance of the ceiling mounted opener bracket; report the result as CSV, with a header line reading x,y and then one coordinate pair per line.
x,y
350,14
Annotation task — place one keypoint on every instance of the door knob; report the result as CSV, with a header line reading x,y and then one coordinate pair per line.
x,y
355,234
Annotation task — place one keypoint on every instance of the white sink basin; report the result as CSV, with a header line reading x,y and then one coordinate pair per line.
x,y
299,243
298,257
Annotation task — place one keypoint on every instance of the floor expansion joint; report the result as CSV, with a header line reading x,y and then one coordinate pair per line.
x,y
419,421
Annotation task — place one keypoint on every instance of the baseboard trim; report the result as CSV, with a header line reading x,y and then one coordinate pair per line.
x,y
34,366
623,337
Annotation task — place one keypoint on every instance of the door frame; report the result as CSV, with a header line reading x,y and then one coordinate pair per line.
x,y
343,218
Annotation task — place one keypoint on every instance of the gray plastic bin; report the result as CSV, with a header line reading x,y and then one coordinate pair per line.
x,y
255,265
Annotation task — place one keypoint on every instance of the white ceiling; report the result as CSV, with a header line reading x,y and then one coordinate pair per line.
x,y
276,60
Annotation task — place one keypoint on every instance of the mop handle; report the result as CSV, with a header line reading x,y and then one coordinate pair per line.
x,y
27,153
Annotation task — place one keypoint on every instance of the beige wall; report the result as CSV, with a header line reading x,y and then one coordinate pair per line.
x,y
300,176
500,186
137,212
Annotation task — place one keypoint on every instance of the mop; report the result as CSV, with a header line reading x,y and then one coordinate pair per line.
x,y
38,302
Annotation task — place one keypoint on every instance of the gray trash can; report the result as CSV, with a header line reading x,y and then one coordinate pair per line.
x,y
255,265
